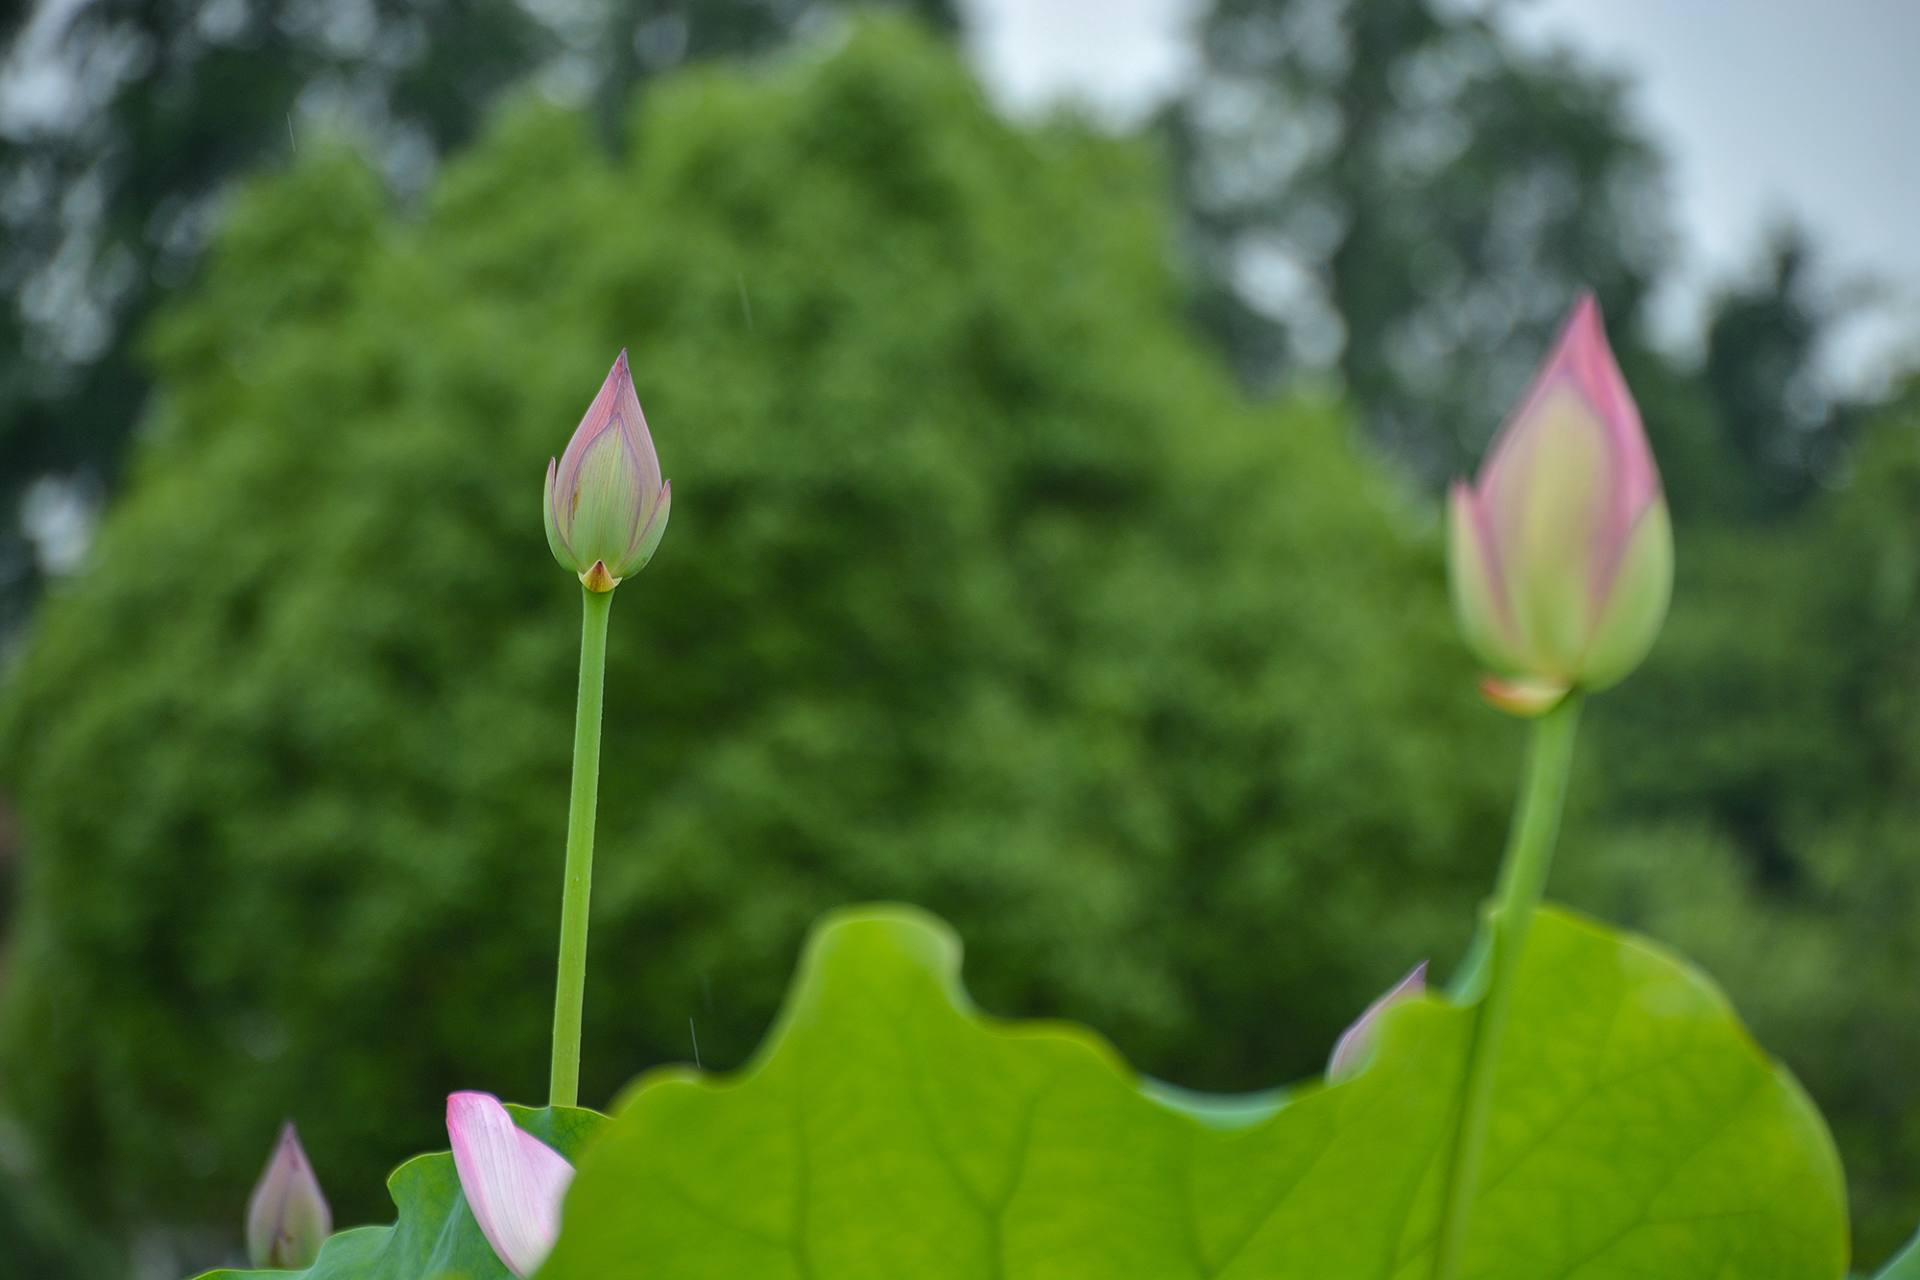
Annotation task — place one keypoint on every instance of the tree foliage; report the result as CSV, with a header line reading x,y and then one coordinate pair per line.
x,y
1395,190
148,112
985,590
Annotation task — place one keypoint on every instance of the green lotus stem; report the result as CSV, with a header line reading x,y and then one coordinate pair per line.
x,y
570,987
1523,876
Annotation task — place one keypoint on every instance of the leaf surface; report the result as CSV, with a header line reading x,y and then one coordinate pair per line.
x,y
1905,1264
888,1130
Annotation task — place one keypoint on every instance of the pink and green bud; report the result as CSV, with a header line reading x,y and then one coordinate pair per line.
x,y
1561,550
606,505
1356,1043
512,1181
287,1217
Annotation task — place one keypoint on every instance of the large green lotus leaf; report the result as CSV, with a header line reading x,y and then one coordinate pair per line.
x,y
1905,1265
888,1131
435,1236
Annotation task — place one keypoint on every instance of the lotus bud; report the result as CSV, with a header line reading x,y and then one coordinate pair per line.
x,y
606,505
1561,550
1350,1053
287,1217
512,1181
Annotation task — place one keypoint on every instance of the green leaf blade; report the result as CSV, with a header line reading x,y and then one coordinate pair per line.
x,y
1904,1265
1640,1131
887,1130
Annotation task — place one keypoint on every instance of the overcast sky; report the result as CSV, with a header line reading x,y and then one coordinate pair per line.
x,y
1764,108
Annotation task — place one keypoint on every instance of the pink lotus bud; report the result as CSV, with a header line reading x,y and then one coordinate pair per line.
x,y
513,1182
606,505
1350,1054
287,1218
1561,550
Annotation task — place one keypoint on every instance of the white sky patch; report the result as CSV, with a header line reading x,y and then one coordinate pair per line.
x,y
35,85
1771,108
1765,108
58,515
1118,58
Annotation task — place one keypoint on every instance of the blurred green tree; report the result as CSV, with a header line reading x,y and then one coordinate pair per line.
x,y
1787,427
984,590
143,113
1395,191
1399,193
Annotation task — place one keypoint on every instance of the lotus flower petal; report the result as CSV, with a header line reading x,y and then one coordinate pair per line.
x,y
1350,1053
1479,599
647,540
1560,552
603,497
512,1181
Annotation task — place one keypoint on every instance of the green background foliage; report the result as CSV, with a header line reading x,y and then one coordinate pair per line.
x,y
984,590
112,200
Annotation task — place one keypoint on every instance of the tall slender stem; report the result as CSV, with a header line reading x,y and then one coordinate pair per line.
x,y
570,987
1523,876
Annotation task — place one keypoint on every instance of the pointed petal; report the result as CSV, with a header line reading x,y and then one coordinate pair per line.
x,y
1560,498
1546,513
1473,574
1582,361
1636,602
606,500
287,1216
1590,362
604,490
512,1181
597,578
1350,1054
602,415
647,540
1580,379
1633,477
633,424
556,541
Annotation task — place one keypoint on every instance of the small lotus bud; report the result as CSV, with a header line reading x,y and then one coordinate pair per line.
x,y
1356,1042
513,1182
606,505
1561,551
287,1218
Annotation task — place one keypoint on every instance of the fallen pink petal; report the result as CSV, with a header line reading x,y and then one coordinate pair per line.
x,y
1356,1042
513,1182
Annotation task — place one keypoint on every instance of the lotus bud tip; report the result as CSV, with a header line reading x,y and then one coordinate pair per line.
x,y
287,1216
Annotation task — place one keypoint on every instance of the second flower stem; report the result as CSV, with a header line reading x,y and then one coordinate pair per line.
x,y
570,987
1523,877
